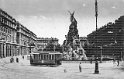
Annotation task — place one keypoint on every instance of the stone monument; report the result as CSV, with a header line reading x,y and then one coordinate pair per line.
x,y
72,47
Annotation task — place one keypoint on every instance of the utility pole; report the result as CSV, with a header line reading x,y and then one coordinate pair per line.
x,y
96,15
96,12
96,63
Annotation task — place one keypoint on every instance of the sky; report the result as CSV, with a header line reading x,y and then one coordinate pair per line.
x,y
50,18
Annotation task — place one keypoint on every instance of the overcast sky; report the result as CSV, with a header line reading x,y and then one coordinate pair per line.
x,y
50,18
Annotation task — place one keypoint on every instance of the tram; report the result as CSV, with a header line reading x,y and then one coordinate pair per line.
x,y
45,58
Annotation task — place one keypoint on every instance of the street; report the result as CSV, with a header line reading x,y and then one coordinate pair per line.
x,y
23,70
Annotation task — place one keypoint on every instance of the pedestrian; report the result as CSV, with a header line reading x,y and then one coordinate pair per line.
x,y
91,60
80,68
23,57
65,70
118,62
12,60
17,60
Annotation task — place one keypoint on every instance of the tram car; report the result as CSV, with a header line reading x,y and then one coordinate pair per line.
x,y
45,58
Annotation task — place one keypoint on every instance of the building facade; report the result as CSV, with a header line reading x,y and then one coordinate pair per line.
x,y
24,38
14,37
109,38
8,33
42,42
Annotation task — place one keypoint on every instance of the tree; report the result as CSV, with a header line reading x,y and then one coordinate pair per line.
x,y
52,47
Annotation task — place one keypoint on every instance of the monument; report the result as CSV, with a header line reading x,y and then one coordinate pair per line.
x,y
72,46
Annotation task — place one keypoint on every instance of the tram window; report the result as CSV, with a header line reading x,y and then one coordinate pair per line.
x,y
41,56
34,56
52,57
37,57
44,57
49,57
55,56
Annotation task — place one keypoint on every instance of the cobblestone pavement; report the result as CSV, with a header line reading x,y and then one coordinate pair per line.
x,y
23,70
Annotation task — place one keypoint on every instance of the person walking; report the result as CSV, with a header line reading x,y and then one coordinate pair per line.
x,y
17,60
80,68
118,62
91,60
65,70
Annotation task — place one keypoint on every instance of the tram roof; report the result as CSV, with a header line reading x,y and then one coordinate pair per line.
x,y
46,52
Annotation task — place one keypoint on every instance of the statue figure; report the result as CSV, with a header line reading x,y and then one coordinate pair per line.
x,y
72,19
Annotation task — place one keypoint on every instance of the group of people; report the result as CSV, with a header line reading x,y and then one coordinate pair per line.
x,y
17,59
12,60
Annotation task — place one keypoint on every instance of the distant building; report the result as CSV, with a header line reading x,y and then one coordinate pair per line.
x,y
14,37
41,43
